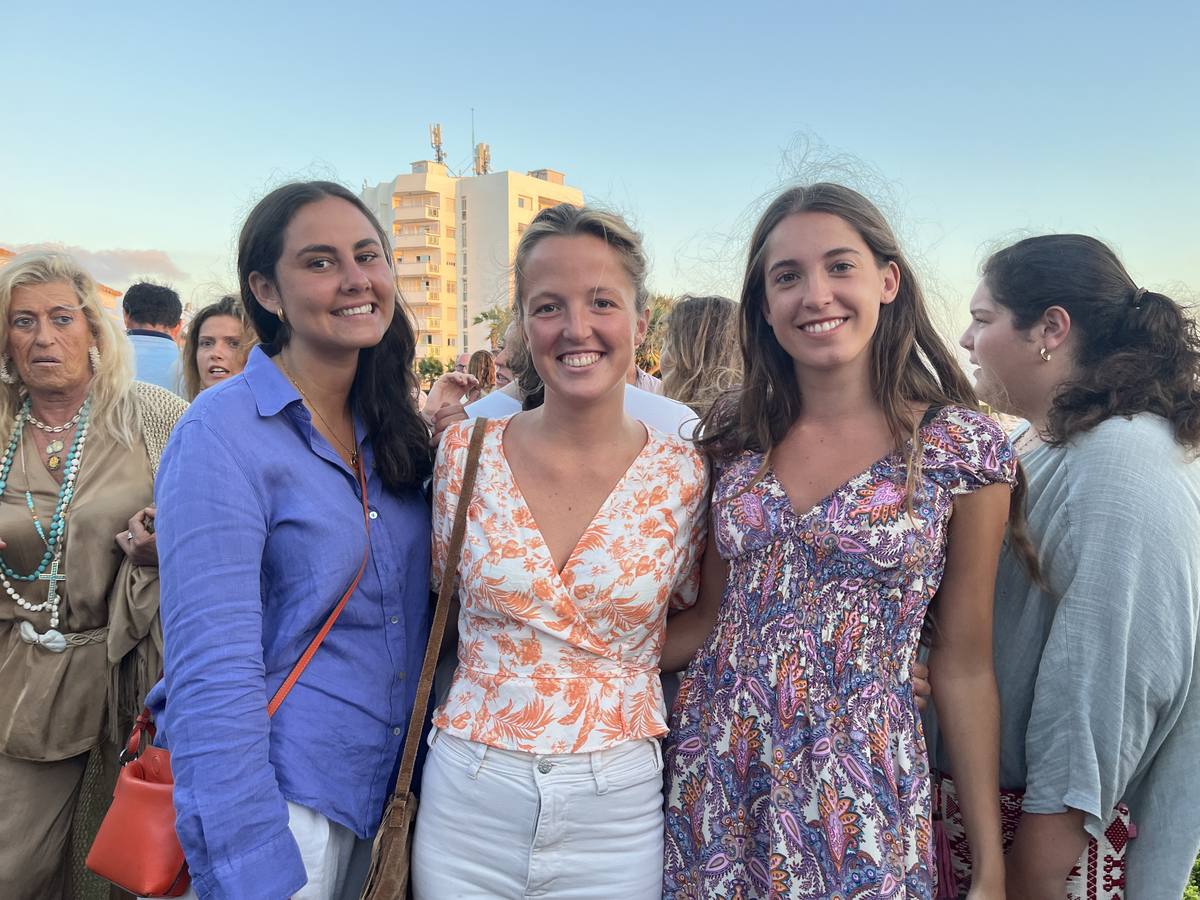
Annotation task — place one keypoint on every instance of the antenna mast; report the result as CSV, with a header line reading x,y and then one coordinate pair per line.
x,y
435,139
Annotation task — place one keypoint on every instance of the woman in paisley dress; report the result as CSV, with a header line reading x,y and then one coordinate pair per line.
x,y
856,491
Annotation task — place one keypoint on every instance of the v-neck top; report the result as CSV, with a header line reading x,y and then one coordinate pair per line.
x,y
552,662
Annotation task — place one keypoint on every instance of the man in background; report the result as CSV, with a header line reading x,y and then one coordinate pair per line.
x,y
152,314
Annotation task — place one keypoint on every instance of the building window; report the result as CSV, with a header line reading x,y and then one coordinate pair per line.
x,y
429,338
449,342
524,202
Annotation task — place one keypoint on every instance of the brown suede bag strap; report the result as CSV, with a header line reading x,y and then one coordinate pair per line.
x,y
441,613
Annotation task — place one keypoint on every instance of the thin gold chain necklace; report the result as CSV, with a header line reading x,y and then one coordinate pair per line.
x,y
353,452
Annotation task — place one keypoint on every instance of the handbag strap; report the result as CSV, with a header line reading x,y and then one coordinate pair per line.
x,y
311,649
416,721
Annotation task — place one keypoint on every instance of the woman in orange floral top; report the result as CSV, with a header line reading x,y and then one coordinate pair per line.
x,y
545,773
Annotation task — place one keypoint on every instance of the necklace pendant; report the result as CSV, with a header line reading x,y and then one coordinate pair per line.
x,y
54,462
54,447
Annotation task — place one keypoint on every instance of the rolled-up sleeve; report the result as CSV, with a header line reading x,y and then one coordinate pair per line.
x,y
231,818
1114,670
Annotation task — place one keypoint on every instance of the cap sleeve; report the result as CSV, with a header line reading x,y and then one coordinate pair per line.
x,y
964,450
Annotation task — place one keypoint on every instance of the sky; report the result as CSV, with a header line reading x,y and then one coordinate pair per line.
x,y
139,135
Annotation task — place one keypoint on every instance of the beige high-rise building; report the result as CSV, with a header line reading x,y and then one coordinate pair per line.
x,y
454,239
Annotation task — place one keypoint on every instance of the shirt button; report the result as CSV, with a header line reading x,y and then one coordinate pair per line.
x,y
395,620
373,514
545,766
397,731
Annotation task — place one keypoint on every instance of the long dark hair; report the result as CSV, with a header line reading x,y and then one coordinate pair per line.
x,y
1135,350
385,381
911,365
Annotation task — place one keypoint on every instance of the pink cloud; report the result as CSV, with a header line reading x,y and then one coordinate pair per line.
x,y
117,268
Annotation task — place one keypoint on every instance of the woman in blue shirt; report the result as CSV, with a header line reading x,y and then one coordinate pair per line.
x,y
261,529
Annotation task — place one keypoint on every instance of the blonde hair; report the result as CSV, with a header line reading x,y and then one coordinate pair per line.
x,y
702,342
114,409
565,220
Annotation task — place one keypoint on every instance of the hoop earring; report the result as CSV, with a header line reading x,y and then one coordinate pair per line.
x,y
279,312
1044,354
94,356
6,376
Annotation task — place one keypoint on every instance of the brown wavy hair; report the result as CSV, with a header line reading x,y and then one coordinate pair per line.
x,y
483,367
229,305
1135,350
911,365
702,343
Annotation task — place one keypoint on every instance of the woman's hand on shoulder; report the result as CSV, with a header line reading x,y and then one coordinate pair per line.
x,y
138,541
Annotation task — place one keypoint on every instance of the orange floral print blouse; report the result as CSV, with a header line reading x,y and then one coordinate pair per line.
x,y
566,663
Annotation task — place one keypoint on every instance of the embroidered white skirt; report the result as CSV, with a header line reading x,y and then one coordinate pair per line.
x,y
500,824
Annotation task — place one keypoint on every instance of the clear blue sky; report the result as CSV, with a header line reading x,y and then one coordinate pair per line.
x,y
153,128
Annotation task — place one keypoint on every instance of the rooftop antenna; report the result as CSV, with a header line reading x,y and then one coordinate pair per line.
x,y
483,159
435,138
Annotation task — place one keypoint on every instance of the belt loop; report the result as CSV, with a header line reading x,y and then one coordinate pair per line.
x,y
658,754
478,751
598,771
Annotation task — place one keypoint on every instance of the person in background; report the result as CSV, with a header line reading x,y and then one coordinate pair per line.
x,y
544,774
79,642
483,368
152,321
460,364
261,528
218,341
1099,667
504,375
700,358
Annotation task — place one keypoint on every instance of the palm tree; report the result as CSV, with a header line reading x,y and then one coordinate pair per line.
x,y
651,349
498,318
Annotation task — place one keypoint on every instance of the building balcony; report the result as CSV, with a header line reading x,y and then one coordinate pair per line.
x,y
425,324
422,298
417,268
418,212
416,241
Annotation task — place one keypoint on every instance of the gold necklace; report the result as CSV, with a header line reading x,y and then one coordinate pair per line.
x,y
353,452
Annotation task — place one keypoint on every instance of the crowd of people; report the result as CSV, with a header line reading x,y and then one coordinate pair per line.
x,y
917,656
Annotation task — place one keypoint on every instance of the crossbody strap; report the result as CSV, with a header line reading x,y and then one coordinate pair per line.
x,y
416,722
311,649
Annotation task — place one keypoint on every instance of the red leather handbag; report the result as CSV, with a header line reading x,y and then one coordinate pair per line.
x,y
136,847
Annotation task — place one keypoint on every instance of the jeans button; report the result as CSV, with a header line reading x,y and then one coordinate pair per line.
x,y
544,766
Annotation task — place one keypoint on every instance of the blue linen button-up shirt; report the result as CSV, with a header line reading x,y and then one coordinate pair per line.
x,y
260,531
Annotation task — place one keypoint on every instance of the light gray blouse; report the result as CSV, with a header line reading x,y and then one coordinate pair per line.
x,y
1100,676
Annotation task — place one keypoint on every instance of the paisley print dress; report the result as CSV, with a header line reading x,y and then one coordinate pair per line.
x,y
796,765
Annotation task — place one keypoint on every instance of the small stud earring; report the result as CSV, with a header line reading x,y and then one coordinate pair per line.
x,y
1044,354
6,376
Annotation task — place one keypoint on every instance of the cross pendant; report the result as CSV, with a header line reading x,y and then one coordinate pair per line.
x,y
54,578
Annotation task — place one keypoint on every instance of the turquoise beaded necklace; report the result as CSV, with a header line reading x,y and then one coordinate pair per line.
x,y
66,492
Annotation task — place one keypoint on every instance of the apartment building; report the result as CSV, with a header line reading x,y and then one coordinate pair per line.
x,y
453,238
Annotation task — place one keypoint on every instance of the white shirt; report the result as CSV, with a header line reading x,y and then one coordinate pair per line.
x,y
662,413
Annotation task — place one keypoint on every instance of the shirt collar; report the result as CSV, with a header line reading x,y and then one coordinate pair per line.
x,y
150,333
272,389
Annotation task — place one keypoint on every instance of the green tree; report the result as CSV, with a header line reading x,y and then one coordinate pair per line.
x,y
497,318
651,349
429,368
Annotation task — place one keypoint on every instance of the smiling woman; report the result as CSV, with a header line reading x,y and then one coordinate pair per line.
x,y
319,462
82,445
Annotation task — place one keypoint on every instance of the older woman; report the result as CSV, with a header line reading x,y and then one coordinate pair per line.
x,y
80,456
218,341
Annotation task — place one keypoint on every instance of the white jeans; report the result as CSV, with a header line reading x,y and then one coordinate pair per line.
x,y
335,858
577,826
